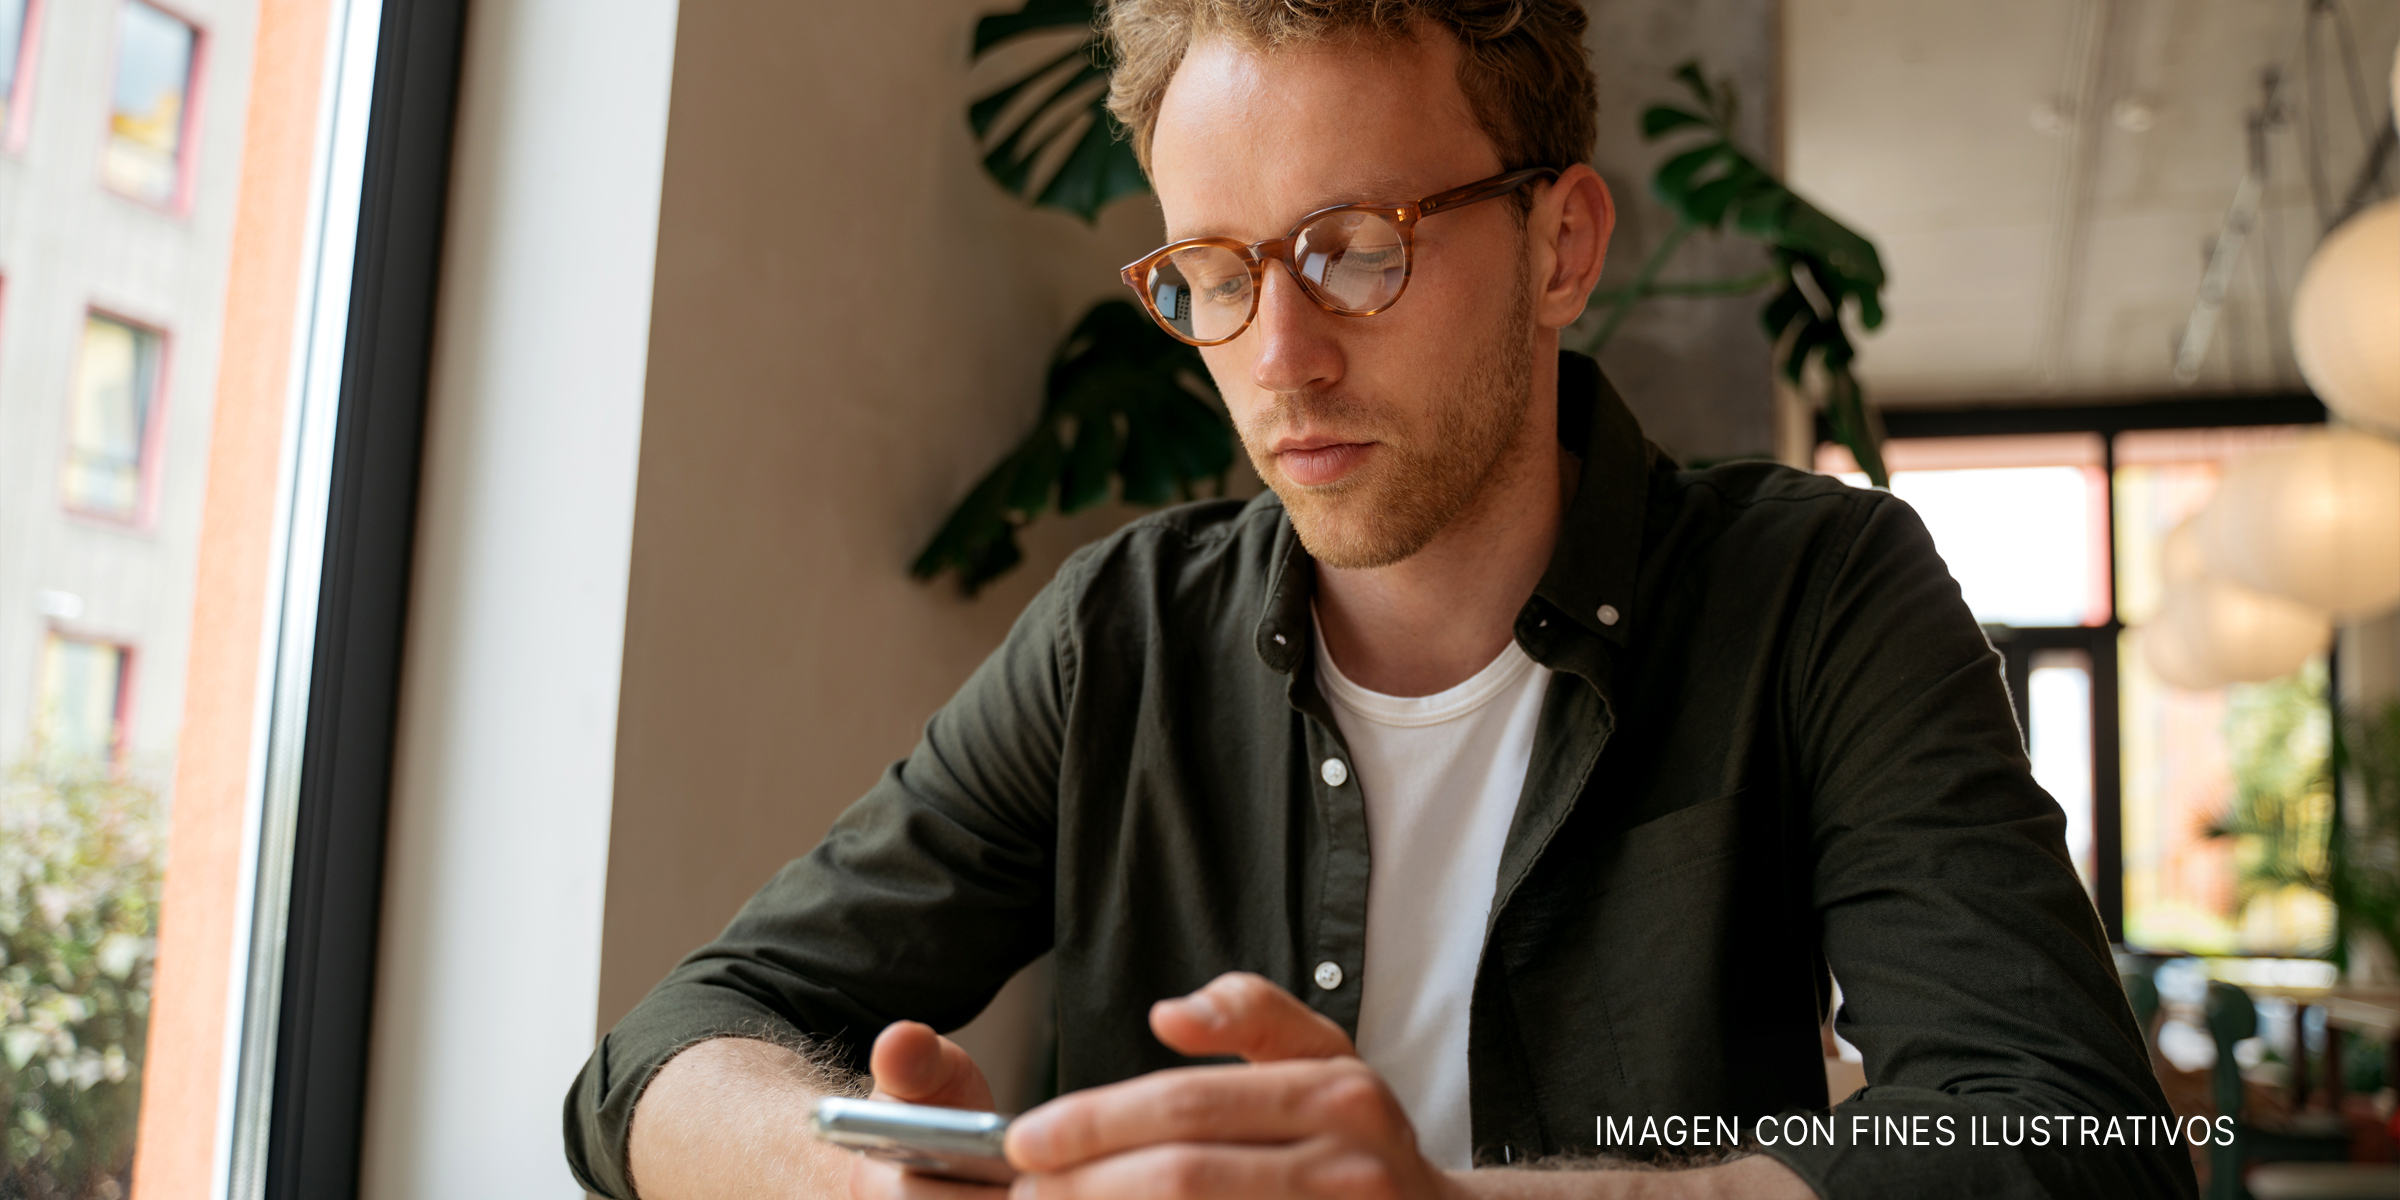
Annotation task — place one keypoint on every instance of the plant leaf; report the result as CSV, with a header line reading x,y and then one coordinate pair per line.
x,y
1141,410
1012,159
1099,170
966,539
1689,74
1101,166
1083,481
1659,119
1035,470
983,112
1705,205
1677,176
1037,16
1148,475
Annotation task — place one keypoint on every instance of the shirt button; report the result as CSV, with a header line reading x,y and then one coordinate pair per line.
x,y
1608,614
1335,775
1329,975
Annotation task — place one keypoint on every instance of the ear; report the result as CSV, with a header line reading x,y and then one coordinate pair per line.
x,y
1569,229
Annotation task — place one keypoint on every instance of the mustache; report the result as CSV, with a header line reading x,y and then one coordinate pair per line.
x,y
1313,409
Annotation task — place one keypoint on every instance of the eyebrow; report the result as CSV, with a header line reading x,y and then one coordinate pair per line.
x,y
1377,188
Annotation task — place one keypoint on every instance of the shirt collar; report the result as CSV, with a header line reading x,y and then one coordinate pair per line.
x,y
1592,569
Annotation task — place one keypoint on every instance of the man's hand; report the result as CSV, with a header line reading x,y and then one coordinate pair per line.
x,y
1306,1119
729,1117
914,1065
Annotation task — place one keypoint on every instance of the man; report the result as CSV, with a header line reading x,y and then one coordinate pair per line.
x,y
1504,778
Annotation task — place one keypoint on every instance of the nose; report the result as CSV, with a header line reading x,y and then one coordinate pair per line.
x,y
1297,350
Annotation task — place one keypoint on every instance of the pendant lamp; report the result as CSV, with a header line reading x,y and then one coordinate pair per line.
x,y
2316,522
2346,319
2210,632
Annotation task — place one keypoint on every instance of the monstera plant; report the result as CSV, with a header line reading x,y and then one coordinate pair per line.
x,y
1126,402
1123,400
1821,268
1063,101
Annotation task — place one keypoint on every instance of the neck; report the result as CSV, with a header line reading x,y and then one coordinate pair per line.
x,y
1431,621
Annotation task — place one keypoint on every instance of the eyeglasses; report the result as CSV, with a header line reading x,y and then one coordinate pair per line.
x,y
1352,259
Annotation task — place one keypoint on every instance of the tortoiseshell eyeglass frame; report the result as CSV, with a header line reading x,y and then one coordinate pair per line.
x,y
1257,255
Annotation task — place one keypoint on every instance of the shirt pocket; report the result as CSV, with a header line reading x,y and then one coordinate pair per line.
x,y
1688,839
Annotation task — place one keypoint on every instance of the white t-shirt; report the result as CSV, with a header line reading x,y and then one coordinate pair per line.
x,y
1440,775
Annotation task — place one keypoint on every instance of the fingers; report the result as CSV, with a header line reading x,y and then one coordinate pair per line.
x,y
1318,1167
1269,1103
873,1179
1242,1014
913,1064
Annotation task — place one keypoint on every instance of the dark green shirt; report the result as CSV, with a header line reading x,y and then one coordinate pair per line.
x,y
1775,742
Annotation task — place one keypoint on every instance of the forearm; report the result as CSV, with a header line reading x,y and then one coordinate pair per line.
x,y
728,1118
1754,1178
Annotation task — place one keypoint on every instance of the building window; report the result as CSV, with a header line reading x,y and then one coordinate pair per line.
x,y
83,691
18,21
112,423
149,121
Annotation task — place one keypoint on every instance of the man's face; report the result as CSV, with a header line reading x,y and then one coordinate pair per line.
x,y
1376,432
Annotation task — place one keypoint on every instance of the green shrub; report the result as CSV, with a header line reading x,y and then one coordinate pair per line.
x,y
81,847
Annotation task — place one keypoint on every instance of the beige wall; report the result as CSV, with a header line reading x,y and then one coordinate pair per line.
x,y
850,325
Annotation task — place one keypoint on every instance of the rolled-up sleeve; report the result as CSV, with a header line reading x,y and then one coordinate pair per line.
x,y
923,899
1977,981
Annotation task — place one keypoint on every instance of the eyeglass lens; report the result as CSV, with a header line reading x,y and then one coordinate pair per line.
x,y
1352,262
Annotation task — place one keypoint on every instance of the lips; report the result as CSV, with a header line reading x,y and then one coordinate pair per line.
x,y
1317,465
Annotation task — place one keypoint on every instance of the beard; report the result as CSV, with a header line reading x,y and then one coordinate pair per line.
x,y
1427,472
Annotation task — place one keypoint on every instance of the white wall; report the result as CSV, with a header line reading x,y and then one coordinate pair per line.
x,y
499,833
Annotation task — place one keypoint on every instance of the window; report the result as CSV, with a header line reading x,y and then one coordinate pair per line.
x,y
2057,541
145,697
109,427
82,705
2022,523
18,20
149,116
2190,754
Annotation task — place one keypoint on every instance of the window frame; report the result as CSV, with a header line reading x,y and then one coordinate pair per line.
x,y
2017,646
150,465
187,134
340,603
120,715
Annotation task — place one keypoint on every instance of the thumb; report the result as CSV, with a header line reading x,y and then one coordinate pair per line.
x,y
1244,1014
913,1064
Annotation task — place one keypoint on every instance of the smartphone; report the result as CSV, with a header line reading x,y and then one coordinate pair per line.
x,y
950,1142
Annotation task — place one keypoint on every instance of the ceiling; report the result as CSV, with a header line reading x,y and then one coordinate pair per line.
x,y
2045,180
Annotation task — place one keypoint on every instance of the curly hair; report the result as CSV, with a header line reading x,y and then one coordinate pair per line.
x,y
1523,68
